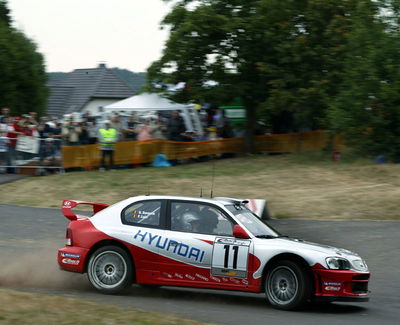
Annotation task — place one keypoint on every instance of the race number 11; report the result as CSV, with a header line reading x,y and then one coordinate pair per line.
x,y
235,256
230,257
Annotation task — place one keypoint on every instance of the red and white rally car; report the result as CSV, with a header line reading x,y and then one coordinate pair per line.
x,y
214,243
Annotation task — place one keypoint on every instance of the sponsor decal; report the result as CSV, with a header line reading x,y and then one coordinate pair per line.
x,y
180,276
234,280
69,261
70,255
67,204
169,245
201,277
190,277
139,214
167,275
230,241
330,288
332,283
245,282
215,279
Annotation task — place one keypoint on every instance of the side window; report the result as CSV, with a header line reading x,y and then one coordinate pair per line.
x,y
199,218
143,213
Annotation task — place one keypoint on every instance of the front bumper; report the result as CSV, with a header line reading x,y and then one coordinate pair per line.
x,y
341,285
72,258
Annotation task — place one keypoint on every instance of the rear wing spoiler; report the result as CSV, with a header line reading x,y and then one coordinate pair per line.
x,y
68,205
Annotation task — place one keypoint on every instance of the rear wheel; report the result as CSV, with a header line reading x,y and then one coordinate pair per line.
x,y
110,269
287,285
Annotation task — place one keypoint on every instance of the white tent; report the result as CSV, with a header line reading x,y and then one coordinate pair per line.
x,y
154,102
144,102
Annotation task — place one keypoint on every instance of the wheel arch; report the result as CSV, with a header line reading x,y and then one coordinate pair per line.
x,y
288,257
110,242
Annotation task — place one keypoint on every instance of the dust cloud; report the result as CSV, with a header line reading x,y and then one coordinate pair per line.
x,y
37,268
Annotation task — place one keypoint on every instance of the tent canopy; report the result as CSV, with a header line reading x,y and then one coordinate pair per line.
x,y
145,102
154,102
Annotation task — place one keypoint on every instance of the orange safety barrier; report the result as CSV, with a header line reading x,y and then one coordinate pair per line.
x,y
137,152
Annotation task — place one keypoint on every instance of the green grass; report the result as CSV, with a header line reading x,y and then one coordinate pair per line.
x,y
36,309
295,185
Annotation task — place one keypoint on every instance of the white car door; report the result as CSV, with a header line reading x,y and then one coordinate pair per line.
x,y
204,251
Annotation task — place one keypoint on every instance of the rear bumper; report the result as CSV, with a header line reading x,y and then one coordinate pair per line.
x,y
341,285
72,258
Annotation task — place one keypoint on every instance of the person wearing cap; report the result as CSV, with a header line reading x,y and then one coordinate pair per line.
x,y
108,136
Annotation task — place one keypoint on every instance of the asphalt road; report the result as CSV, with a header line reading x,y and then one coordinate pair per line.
x,y
29,238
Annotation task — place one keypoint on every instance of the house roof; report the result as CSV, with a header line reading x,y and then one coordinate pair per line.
x,y
72,93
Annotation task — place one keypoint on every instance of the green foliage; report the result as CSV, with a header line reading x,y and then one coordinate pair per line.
x,y
297,64
367,108
4,13
278,56
22,71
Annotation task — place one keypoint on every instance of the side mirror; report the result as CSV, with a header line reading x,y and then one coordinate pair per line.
x,y
239,232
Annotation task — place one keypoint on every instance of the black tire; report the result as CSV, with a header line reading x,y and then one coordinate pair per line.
x,y
287,285
110,269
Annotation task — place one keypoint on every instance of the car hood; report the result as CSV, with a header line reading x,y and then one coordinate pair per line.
x,y
324,249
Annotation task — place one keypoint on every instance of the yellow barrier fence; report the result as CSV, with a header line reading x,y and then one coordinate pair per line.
x,y
137,152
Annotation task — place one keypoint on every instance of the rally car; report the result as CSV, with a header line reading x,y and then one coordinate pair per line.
x,y
214,243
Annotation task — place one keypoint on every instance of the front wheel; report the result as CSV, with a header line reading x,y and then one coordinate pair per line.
x,y
110,269
287,285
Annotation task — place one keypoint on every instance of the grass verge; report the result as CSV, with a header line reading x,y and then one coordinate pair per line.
x,y
37,309
295,186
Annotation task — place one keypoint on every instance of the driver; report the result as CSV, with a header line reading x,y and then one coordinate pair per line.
x,y
192,221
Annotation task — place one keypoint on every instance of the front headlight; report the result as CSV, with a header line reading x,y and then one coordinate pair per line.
x,y
360,265
338,263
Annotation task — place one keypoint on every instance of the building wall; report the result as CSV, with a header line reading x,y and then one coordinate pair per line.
x,y
95,104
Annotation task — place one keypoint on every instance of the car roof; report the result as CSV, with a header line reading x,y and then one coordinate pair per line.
x,y
220,200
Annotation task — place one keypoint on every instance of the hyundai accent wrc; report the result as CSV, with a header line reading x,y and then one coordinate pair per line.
x,y
215,243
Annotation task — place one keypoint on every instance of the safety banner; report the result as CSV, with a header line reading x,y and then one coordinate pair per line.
x,y
138,152
27,144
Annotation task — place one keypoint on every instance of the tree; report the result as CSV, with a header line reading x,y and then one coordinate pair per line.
x,y
283,58
22,72
367,108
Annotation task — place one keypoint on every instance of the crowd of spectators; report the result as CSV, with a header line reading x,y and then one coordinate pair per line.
x,y
53,133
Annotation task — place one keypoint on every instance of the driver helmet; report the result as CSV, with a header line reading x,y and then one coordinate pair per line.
x,y
188,218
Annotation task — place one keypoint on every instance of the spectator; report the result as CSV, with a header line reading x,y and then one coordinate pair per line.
x,y
12,133
32,118
71,131
107,137
159,129
118,126
3,142
175,127
223,124
131,131
44,128
87,115
84,134
49,155
239,131
93,130
57,134
5,112
144,131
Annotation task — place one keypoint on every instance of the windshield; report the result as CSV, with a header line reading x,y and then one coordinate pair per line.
x,y
252,222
